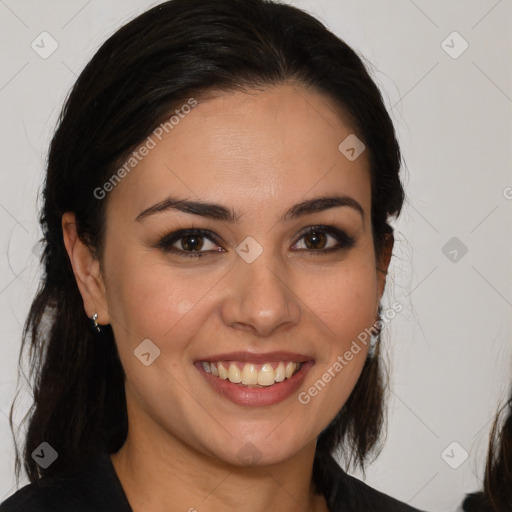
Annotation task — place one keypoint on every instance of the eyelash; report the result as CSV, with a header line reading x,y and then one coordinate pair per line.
x,y
344,241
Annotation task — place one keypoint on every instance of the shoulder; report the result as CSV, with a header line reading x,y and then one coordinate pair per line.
x,y
94,487
354,495
45,495
41,498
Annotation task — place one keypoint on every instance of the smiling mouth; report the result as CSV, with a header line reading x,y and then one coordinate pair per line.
x,y
251,374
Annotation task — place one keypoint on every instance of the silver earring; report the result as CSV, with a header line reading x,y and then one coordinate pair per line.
x,y
94,319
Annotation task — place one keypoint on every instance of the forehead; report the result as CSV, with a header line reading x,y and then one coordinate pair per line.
x,y
246,149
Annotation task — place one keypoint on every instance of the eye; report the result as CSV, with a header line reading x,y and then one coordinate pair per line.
x,y
319,239
190,243
201,242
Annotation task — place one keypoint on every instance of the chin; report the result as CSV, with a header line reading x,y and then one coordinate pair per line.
x,y
259,450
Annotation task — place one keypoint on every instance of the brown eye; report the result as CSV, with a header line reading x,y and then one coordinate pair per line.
x,y
323,239
190,242
315,240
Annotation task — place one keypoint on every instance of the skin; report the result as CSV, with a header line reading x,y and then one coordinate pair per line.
x,y
257,153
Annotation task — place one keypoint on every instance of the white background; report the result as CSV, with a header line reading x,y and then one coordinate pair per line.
x,y
450,347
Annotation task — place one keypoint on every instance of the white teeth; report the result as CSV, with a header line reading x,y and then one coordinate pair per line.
x,y
249,375
280,373
290,369
234,374
266,375
223,373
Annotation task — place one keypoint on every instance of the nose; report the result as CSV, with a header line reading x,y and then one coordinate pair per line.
x,y
260,298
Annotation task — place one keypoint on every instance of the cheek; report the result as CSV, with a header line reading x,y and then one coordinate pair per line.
x,y
150,300
344,306
344,300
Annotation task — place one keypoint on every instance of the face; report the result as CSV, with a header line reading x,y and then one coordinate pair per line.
x,y
254,292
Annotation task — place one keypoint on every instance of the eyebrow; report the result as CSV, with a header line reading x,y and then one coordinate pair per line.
x,y
219,212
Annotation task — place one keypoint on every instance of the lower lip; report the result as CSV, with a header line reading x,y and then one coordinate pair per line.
x,y
256,397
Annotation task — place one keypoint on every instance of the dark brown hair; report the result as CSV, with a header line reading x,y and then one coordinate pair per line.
x,y
177,50
497,492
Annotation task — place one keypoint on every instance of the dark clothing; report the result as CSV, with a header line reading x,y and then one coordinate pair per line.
x,y
477,502
96,488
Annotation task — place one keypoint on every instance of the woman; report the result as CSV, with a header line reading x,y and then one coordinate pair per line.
x,y
216,225
497,493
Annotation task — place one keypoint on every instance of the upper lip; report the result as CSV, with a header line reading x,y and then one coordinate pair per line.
x,y
252,357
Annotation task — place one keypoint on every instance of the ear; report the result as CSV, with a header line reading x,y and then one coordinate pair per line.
x,y
383,263
87,271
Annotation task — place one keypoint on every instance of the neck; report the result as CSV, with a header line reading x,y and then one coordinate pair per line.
x,y
159,473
